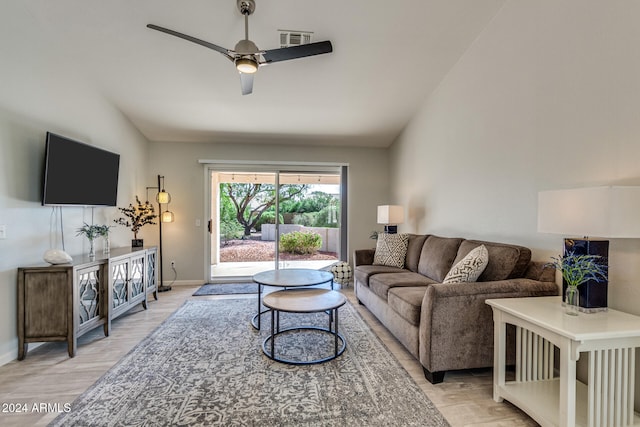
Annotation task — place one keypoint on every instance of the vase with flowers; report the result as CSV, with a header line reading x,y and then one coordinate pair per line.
x,y
136,217
103,231
578,269
91,232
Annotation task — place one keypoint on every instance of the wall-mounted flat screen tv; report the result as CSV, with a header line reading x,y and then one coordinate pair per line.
x,y
79,174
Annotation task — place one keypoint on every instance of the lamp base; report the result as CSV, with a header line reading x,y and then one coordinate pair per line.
x,y
593,295
391,229
164,288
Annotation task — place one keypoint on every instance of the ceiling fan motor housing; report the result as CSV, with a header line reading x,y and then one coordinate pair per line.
x,y
246,47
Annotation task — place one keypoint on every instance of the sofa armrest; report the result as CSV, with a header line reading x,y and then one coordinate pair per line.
x,y
540,271
363,257
456,326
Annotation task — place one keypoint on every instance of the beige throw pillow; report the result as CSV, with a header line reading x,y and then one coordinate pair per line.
x,y
469,268
391,250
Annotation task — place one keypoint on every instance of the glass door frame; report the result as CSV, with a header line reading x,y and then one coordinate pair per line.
x,y
211,217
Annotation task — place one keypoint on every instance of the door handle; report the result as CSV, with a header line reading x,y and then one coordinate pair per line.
x,y
209,226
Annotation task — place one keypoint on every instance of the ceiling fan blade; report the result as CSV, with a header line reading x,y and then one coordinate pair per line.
x,y
293,52
217,48
246,83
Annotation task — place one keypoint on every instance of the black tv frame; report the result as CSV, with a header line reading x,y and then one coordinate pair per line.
x,y
78,174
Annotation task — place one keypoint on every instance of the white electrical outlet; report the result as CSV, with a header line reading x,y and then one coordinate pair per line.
x,y
173,264
3,231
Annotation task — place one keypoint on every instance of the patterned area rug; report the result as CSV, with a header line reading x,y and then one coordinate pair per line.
x,y
226,289
204,366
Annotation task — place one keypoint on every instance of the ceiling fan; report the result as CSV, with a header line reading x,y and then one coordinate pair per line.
x,y
246,56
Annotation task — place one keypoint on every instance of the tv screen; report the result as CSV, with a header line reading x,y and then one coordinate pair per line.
x,y
79,174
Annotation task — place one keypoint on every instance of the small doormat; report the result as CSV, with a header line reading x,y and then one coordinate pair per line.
x,y
246,288
226,289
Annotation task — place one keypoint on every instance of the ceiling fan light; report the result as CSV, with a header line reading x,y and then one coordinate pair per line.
x,y
246,65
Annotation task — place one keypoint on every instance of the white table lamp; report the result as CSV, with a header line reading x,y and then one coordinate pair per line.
x,y
390,216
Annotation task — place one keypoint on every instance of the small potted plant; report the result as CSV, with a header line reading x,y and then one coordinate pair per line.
x,y
576,270
136,217
90,232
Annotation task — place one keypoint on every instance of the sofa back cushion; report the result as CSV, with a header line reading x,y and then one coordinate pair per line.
x,y
505,261
414,249
437,256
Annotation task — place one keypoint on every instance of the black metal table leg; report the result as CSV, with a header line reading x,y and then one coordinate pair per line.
x,y
335,336
273,335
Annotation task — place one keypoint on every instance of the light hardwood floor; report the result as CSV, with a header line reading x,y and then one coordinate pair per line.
x,y
50,379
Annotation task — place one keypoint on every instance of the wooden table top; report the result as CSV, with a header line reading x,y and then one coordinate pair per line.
x,y
307,300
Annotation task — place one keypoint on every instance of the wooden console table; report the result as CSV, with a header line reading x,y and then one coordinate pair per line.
x,y
607,338
63,302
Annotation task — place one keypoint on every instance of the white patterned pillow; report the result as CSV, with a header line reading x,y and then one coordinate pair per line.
x,y
391,250
469,268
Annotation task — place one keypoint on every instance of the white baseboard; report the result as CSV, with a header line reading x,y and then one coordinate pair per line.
x,y
12,354
185,283
8,357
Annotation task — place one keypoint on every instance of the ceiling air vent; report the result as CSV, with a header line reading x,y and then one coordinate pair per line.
x,y
290,38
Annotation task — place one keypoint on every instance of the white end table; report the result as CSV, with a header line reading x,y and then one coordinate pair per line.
x,y
609,339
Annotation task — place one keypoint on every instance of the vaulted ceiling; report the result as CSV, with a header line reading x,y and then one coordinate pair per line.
x,y
388,56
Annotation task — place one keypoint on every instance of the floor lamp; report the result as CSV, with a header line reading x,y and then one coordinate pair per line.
x,y
163,198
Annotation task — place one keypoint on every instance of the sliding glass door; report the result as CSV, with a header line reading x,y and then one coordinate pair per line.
x,y
308,222
263,220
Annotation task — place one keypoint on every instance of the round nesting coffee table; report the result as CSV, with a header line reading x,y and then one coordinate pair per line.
x,y
304,301
288,278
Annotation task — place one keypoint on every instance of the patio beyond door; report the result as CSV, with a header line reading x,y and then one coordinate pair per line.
x,y
263,220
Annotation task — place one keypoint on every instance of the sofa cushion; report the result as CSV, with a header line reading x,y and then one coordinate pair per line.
x,y
414,249
407,302
437,256
363,272
391,250
505,261
380,284
469,268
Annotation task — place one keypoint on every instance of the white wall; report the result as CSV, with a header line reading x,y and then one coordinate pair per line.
x,y
36,97
184,242
548,97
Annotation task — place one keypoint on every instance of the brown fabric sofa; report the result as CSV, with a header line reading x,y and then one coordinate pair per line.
x,y
446,326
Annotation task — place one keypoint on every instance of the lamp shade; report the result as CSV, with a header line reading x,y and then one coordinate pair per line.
x,y
390,214
167,216
608,211
163,197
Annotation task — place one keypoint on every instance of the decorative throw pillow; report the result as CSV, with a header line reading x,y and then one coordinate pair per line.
x,y
391,250
469,268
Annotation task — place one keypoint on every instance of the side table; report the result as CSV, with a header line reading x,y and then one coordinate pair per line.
x,y
608,338
288,278
304,301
